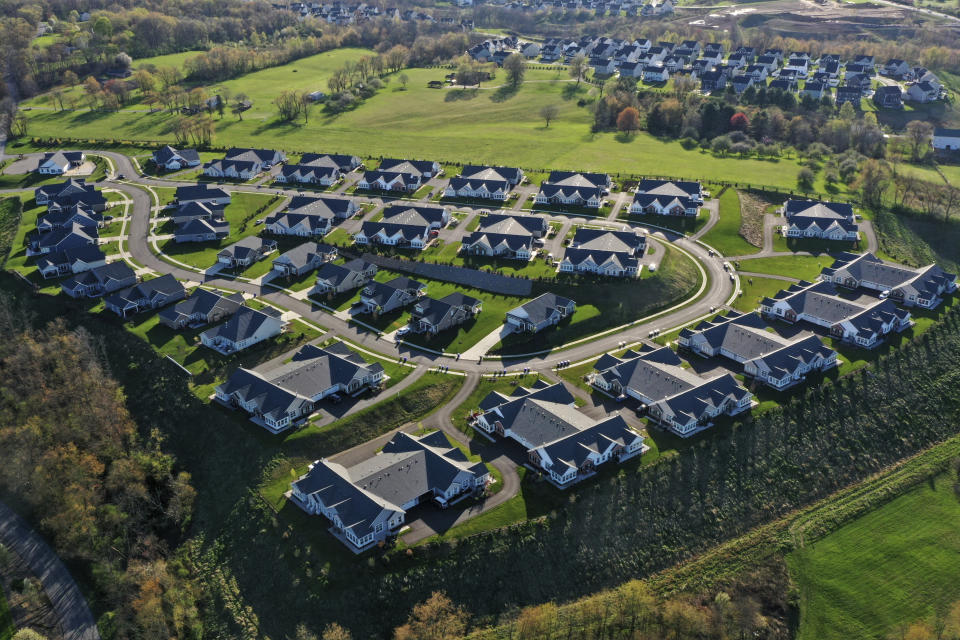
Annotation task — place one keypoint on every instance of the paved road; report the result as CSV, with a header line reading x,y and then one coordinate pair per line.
x,y
74,616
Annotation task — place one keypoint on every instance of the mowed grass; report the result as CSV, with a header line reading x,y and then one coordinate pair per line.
x,y
755,289
890,567
725,235
801,267
489,125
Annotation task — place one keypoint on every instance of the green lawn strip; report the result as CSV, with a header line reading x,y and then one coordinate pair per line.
x,y
681,224
244,209
448,253
801,267
299,448
11,210
17,259
753,289
604,303
890,567
815,246
110,248
725,235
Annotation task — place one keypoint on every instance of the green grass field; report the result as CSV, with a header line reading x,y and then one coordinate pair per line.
x,y
802,267
890,567
487,125
725,235
755,289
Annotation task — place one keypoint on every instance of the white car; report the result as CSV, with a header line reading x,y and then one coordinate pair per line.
x,y
402,331
652,267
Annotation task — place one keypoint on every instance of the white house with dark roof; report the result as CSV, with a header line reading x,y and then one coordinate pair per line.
x,y
65,238
70,193
304,258
675,397
60,162
904,285
202,230
825,220
242,163
245,328
864,322
340,278
69,261
946,139
574,189
99,281
608,253
766,356
404,226
504,235
432,316
69,216
246,251
667,197
367,502
323,175
384,297
380,180
171,159
280,398
201,307
145,296
424,168
544,311
201,193
344,162
563,443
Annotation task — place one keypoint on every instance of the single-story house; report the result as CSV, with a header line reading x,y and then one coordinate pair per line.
x,y
201,193
384,297
146,295
99,281
904,285
246,251
201,307
171,159
432,316
544,311
59,162
304,258
340,278
245,328
76,260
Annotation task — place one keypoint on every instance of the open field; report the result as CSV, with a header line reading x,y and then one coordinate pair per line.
x,y
802,267
890,567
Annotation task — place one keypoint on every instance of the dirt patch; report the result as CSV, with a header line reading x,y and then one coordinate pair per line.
x,y
752,208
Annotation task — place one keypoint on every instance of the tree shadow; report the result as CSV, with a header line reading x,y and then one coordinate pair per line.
x,y
504,93
625,136
570,92
454,95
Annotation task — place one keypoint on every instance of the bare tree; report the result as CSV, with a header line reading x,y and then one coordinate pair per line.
x,y
548,112
578,67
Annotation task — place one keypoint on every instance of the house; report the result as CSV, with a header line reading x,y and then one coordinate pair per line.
x,y
741,83
323,175
99,281
201,193
667,197
825,220
367,502
859,81
389,181
713,51
309,216
510,236
201,307
197,211
202,230
281,397
60,162
424,168
68,261
787,85
608,253
72,236
922,92
337,278
384,297
946,139
543,311
863,322
865,61
657,8
852,95
432,316
653,73
70,194
69,216
577,189
757,71
245,328
344,162
246,251
674,397
712,81
404,226
171,159
477,181
800,64
242,163
766,356
530,49
888,97
904,285
603,66
304,258
146,295
896,68
814,89
561,442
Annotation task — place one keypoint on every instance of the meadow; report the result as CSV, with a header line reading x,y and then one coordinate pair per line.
x,y
890,567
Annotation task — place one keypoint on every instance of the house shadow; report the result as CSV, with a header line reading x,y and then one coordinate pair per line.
x,y
504,93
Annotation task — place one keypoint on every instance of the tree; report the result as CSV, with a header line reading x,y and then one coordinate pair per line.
x,y
240,104
103,28
536,622
548,112
435,619
404,79
578,67
721,145
290,105
628,120
334,631
70,79
516,66
919,133
28,634
872,183
122,60
739,121
805,178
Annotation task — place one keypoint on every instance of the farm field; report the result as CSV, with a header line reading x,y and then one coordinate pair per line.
x,y
465,125
890,567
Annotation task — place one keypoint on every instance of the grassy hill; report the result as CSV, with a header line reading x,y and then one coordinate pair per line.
x,y
890,567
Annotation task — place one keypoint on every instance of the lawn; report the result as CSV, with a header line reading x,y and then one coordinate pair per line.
x,y
812,245
725,235
680,224
755,289
17,259
487,125
505,385
919,240
893,566
241,213
449,253
802,267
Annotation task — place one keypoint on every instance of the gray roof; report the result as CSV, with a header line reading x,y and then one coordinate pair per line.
x,y
538,416
927,281
165,285
513,225
579,179
245,247
202,302
325,206
626,242
337,274
86,253
656,375
412,167
416,216
243,324
572,450
486,172
540,308
303,254
200,192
